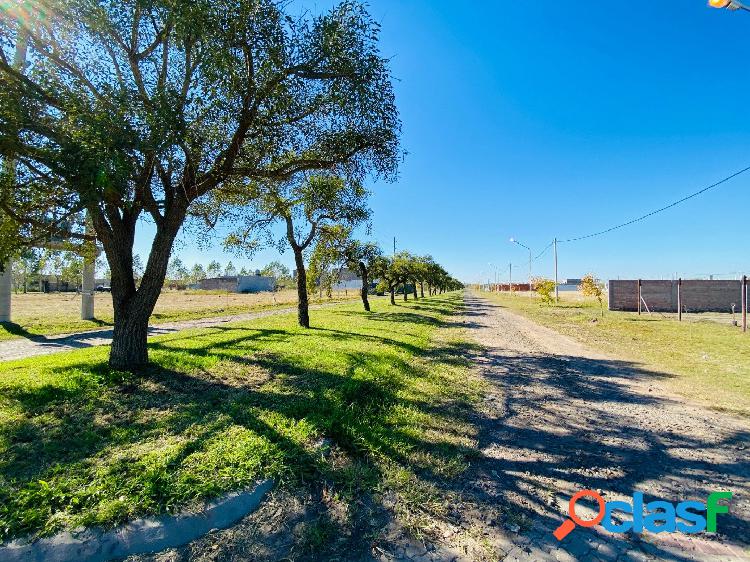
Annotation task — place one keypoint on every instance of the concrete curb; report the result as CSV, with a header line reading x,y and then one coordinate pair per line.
x,y
140,536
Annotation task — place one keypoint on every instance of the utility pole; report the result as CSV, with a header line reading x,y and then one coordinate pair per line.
x,y
639,297
530,260
557,291
514,241
510,278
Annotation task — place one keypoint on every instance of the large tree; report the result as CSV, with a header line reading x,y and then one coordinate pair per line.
x,y
128,109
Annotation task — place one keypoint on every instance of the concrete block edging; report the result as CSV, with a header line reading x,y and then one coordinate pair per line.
x,y
140,536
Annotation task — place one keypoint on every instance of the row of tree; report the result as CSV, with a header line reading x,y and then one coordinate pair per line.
x,y
179,274
188,115
337,249
34,265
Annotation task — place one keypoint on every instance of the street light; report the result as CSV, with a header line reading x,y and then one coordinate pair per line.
x,y
514,241
728,4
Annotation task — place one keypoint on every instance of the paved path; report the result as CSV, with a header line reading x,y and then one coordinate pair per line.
x,y
44,345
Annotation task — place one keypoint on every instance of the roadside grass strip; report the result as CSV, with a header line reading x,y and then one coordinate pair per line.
x,y
370,404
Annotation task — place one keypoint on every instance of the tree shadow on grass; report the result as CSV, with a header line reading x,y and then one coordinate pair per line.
x,y
88,412
561,424
216,391
16,329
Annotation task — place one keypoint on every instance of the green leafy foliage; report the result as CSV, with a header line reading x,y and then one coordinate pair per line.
x,y
544,288
174,110
591,287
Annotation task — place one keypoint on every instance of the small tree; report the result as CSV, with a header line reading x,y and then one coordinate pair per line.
x,y
336,247
590,287
72,269
230,270
279,271
177,273
276,269
197,273
102,268
544,288
403,270
24,268
174,264
138,269
306,205
214,269
382,269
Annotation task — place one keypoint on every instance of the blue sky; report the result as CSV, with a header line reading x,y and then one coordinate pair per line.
x,y
544,119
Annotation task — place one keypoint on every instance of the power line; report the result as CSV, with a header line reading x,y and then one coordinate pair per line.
x,y
652,213
544,251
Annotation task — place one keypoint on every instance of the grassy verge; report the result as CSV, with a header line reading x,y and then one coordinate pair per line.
x,y
388,394
40,314
709,362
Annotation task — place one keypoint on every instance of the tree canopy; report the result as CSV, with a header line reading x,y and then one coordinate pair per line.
x,y
125,109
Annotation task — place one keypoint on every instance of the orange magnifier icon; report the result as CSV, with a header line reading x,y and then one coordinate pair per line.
x,y
569,524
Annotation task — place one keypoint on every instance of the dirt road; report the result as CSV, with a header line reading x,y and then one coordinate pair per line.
x,y
557,419
562,419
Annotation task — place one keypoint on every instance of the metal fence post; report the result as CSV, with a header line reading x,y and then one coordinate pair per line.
x,y
679,299
744,303
639,297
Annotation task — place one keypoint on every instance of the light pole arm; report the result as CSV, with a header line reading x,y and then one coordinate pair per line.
x,y
728,5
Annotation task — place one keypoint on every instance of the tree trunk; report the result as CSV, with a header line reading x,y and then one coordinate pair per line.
x,y
406,296
416,298
365,285
129,351
303,313
393,295
421,288
133,307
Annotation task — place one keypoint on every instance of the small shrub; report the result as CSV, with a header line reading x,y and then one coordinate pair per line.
x,y
590,287
544,288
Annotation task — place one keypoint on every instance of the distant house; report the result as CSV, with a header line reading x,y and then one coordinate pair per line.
x,y
569,285
239,283
348,279
255,283
224,283
53,284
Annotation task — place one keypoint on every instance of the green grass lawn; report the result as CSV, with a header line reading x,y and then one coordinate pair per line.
x,y
220,408
709,362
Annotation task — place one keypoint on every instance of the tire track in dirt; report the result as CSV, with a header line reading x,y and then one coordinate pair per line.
x,y
560,418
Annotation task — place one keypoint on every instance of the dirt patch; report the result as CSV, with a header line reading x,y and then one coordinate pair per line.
x,y
561,418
